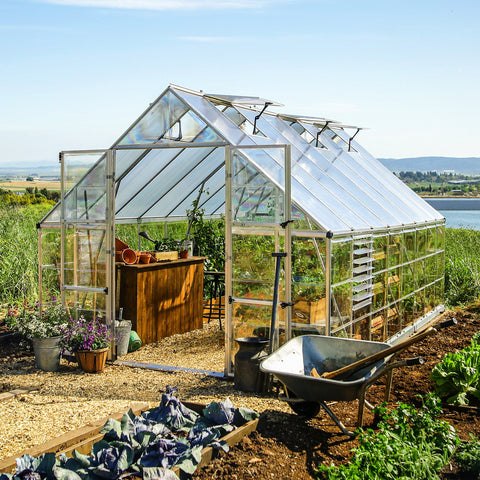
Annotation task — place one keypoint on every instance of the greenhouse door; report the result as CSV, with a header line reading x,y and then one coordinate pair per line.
x,y
86,279
257,219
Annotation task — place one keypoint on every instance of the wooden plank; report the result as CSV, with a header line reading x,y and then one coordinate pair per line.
x,y
13,393
65,442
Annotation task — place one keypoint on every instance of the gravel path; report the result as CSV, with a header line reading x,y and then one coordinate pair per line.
x,y
68,399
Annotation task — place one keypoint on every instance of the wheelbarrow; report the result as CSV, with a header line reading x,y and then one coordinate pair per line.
x,y
294,363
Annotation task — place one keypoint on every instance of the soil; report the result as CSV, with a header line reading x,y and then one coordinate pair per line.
x,y
287,446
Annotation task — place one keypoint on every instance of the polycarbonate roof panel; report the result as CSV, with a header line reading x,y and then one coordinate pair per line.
x,y
341,191
192,181
144,172
318,182
173,173
411,201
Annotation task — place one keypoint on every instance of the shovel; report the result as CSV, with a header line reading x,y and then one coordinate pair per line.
x,y
388,351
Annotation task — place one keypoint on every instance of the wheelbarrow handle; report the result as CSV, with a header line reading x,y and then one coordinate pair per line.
x,y
388,351
410,362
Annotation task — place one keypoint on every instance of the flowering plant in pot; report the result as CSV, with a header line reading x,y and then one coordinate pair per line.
x,y
89,340
43,326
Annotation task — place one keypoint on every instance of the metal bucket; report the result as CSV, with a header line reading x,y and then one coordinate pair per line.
x,y
47,353
247,374
122,336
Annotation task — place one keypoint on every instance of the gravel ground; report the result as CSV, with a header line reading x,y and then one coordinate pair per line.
x,y
68,399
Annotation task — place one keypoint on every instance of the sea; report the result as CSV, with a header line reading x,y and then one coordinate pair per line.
x,y
458,212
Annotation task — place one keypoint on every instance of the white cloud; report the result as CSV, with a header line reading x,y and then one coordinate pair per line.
x,y
167,4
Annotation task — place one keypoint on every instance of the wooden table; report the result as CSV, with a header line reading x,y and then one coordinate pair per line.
x,y
162,298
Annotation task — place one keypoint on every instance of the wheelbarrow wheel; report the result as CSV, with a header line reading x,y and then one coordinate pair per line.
x,y
304,408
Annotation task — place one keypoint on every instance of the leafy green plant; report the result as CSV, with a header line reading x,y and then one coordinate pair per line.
x,y
458,374
468,457
409,444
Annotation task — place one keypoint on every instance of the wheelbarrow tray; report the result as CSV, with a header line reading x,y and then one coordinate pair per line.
x,y
293,362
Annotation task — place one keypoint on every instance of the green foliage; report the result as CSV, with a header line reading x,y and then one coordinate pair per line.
x,y
208,238
458,374
468,457
19,247
30,321
462,275
409,444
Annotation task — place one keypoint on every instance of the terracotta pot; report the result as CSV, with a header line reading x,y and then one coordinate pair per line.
x,y
119,245
129,256
183,253
92,361
118,256
145,257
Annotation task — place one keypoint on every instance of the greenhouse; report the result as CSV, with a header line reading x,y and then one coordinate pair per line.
x,y
362,256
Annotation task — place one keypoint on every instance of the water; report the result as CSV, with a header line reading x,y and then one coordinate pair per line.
x,y
458,212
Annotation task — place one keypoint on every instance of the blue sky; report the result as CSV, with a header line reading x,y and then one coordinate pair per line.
x,y
77,73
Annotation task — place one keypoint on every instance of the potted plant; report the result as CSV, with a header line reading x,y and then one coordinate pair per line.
x,y
43,327
89,340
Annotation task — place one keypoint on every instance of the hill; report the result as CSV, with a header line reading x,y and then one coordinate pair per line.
x,y
464,166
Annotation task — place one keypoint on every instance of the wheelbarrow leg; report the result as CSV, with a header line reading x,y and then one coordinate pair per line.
x,y
339,423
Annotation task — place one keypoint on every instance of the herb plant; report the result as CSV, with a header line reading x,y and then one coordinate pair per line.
x,y
468,457
409,444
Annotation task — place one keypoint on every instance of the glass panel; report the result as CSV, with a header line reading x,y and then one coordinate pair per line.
x,y
178,198
341,308
409,246
86,174
341,261
88,304
150,165
85,257
394,321
254,198
50,261
155,123
407,280
308,281
124,159
380,245
394,250
252,321
172,174
254,266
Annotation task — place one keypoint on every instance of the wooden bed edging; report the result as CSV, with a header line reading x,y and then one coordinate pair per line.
x,y
84,437
68,441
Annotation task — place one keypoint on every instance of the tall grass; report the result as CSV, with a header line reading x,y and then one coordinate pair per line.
x,y
19,255
462,262
19,251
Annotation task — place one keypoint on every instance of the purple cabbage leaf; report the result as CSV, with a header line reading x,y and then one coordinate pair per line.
x,y
36,468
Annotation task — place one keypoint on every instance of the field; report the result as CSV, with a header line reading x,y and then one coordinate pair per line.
x,y
21,185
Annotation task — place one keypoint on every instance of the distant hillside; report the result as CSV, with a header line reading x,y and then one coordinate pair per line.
x,y
30,168
464,166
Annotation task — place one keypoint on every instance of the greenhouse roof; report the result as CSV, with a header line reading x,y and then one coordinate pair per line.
x,y
334,181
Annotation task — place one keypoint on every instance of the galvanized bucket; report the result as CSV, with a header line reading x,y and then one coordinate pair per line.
x,y
47,353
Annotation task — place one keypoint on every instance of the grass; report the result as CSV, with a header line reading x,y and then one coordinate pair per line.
x,y
19,251
462,260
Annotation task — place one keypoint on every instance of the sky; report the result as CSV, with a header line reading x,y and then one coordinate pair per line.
x,y
75,74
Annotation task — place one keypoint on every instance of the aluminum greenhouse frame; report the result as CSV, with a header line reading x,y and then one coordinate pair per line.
x,y
364,254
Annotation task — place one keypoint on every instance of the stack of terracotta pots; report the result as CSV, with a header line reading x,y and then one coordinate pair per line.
x,y
128,256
